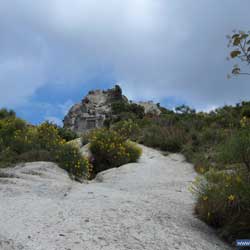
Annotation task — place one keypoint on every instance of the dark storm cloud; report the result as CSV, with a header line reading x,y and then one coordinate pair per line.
x,y
154,48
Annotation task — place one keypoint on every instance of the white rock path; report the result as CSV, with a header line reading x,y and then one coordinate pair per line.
x,y
144,205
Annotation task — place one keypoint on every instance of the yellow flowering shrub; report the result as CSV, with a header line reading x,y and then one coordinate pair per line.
x,y
109,150
223,201
20,142
48,136
128,129
70,159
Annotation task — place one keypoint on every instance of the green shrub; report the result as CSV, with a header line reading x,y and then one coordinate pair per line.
x,y
165,138
4,113
10,128
237,148
123,107
66,134
134,152
13,137
245,111
70,159
128,129
223,201
48,136
36,155
119,107
212,136
22,143
138,110
110,150
7,157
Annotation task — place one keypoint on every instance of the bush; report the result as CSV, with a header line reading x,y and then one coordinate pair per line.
x,y
48,137
66,134
223,201
212,136
70,159
110,150
128,129
36,155
165,138
121,107
4,113
237,149
22,143
245,111
13,135
133,150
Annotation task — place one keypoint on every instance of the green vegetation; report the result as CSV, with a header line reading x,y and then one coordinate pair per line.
x,y
165,138
224,202
218,144
122,109
110,149
20,142
127,129
66,134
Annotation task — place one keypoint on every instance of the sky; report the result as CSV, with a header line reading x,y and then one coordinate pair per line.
x,y
52,52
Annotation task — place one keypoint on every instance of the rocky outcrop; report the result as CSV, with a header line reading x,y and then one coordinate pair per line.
x,y
93,110
96,107
150,107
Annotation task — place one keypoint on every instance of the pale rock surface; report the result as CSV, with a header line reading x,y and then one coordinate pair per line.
x,y
95,108
150,107
139,206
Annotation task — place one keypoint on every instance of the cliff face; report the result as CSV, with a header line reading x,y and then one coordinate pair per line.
x,y
96,107
93,110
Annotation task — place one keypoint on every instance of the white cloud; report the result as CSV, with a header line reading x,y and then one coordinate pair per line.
x,y
154,48
54,120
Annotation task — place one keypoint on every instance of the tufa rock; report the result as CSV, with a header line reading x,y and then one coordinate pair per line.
x,y
150,107
95,108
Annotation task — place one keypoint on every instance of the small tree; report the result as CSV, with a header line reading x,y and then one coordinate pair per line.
x,y
184,109
4,113
240,44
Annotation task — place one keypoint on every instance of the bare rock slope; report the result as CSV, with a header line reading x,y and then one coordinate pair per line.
x,y
144,205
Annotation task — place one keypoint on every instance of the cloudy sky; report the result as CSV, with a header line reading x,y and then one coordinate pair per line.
x,y
170,51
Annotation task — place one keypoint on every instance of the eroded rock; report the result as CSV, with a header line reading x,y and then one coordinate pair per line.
x,y
95,108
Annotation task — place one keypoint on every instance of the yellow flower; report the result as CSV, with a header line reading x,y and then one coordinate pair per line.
x,y
202,170
231,197
205,198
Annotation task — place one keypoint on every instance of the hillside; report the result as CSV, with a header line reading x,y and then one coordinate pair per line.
x,y
216,143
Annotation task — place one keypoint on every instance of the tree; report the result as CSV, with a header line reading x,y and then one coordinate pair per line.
x,y
4,113
184,109
239,42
